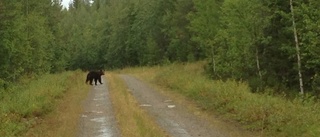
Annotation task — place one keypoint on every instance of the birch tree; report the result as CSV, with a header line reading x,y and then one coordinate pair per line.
x,y
297,46
204,24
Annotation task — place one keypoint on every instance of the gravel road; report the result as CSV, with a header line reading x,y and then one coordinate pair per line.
x,y
98,118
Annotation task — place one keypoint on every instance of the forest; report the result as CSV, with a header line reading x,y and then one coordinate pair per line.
x,y
267,43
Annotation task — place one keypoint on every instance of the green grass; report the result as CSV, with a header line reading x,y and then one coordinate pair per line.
x,y
263,113
63,120
23,104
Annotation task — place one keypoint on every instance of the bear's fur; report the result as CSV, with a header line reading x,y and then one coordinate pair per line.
x,y
94,75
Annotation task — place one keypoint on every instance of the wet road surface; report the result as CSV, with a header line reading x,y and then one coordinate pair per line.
x,y
98,119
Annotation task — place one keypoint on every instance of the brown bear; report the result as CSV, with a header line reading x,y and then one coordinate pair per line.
x,y
94,75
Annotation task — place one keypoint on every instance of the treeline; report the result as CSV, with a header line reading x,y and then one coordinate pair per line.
x,y
241,39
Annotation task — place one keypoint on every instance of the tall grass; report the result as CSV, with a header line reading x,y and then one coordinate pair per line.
x,y
269,115
23,104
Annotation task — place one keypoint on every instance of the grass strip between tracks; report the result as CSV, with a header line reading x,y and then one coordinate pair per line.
x,y
133,121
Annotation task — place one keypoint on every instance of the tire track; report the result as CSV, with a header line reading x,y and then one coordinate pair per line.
x,y
98,119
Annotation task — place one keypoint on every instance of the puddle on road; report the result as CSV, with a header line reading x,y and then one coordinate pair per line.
x,y
167,101
176,129
145,105
97,99
104,130
99,120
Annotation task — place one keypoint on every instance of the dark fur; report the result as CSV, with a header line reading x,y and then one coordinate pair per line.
x,y
94,75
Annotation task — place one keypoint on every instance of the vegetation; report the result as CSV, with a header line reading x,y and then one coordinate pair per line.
x,y
25,103
262,113
267,44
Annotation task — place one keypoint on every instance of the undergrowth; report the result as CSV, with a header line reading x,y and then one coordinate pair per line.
x,y
22,104
264,113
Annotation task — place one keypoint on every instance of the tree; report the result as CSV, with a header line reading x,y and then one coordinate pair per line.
x,y
237,38
204,23
176,23
297,47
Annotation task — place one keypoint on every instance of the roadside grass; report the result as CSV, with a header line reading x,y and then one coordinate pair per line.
x,y
64,119
24,105
132,120
263,113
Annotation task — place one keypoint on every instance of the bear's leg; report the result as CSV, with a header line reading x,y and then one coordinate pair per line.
x,y
88,78
91,80
95,80
100,80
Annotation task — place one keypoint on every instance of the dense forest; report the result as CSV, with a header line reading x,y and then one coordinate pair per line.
x,y
268,43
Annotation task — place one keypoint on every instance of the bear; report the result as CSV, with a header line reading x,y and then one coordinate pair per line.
x,y
94,75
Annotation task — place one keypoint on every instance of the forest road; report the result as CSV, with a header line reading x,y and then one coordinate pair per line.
x,y
176,119
98,118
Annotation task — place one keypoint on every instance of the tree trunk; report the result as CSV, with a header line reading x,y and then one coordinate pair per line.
x,y
258,63
297,47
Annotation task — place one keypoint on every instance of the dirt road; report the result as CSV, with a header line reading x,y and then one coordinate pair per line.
x,y
98,119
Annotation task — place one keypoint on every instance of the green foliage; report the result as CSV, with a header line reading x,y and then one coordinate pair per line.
x,y
204,23
180,46
253,40
25,39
